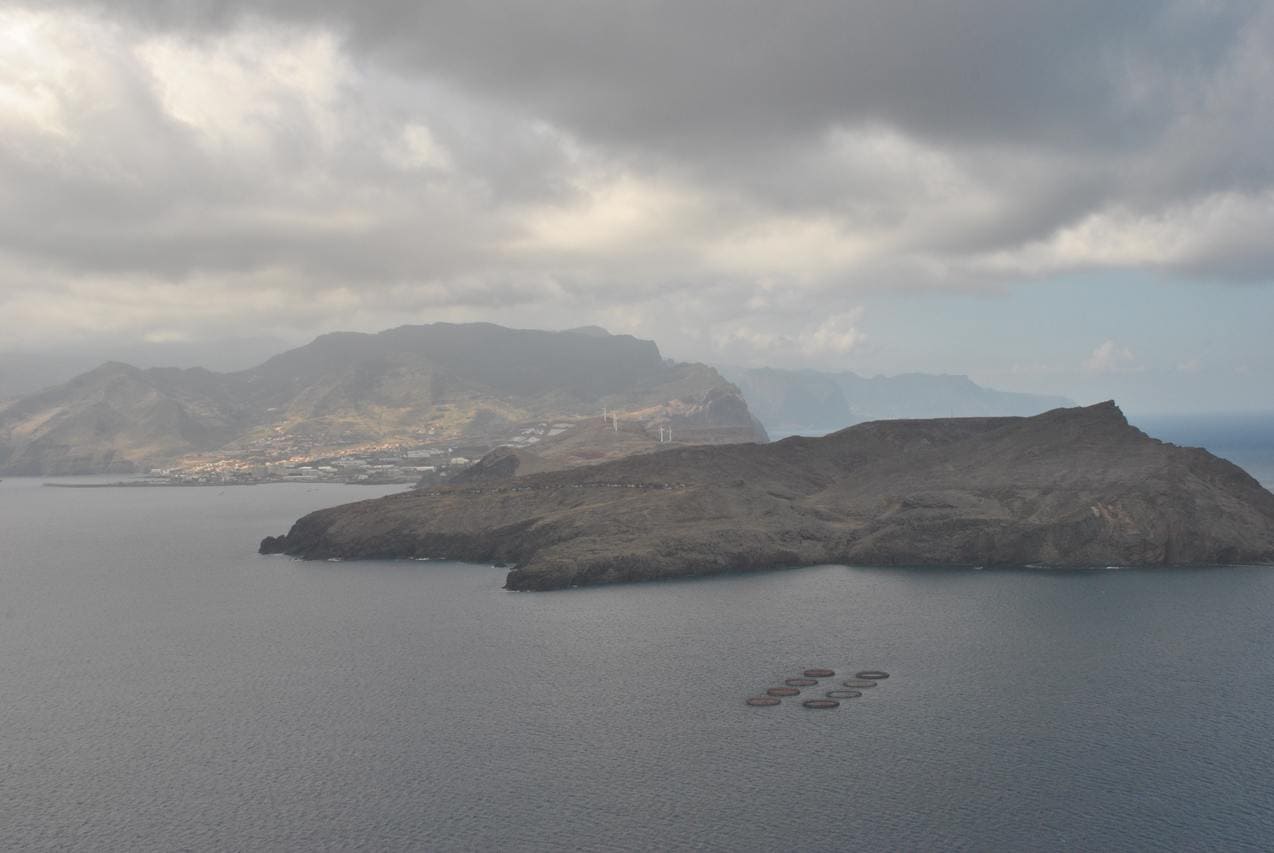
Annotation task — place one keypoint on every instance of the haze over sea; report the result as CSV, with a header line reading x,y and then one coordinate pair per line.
x,y
164,687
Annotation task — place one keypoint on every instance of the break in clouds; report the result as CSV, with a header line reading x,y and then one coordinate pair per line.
x,y
727,178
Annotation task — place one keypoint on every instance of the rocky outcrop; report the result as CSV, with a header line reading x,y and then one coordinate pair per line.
x,y
1070,487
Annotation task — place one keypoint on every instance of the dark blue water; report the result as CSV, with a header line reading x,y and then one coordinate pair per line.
x,y
162,687
1245,438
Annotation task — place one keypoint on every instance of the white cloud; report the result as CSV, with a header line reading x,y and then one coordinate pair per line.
x,y
238,91
418,148
612,215
1110,357
784,339
837,335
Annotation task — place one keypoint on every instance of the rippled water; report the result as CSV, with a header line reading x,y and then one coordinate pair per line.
x,y
162,687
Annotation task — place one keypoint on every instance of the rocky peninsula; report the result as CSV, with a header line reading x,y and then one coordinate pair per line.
x,y
1068,488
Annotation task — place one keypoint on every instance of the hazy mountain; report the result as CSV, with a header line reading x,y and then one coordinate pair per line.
x,y
413,384
718,417
112,418
794,401
1071,487
25,372
592,331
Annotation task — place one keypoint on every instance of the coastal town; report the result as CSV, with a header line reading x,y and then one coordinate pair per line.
x,y
378,466
293,459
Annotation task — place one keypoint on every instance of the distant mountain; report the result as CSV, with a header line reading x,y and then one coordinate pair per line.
x,y
110,419
718,417
591,331
410,385
26,372
795,401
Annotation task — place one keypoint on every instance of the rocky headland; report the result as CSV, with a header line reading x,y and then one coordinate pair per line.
x,y
1067,488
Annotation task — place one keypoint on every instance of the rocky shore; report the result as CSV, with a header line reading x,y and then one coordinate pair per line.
x,y
1068,488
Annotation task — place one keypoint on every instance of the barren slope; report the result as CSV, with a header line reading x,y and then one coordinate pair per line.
x,y
1071,487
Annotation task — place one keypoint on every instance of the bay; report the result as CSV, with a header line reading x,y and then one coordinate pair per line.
x,y
164,687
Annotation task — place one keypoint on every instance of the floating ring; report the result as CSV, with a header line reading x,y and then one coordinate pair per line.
x,y
821,704
859,683
763,701
872,674
800,682
843,694
783,691
818,673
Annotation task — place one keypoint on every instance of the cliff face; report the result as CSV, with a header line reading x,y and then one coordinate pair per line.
x,y
1070,487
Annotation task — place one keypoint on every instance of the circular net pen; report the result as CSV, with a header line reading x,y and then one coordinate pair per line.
x,y
859,683
783,691
821,704
800,682
819,672
763,701
872,674
843,694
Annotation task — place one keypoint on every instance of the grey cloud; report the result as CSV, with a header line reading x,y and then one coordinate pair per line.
x,y
974,130
128,189
1142,104
982,71
728,89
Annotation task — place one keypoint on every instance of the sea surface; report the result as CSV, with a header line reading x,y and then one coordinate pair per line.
x,y
1245,438
163,687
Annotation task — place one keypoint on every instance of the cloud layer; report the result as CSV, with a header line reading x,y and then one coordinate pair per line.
x,y
730,178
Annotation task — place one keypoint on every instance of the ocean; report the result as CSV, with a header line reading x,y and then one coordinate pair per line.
x,y
163,687
1246,439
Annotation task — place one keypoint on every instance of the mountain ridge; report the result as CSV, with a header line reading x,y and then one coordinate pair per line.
x,y
410,384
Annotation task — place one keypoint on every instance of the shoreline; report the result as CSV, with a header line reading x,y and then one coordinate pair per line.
x,y
123,484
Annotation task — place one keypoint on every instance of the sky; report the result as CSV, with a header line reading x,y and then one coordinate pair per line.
x,y
1072,198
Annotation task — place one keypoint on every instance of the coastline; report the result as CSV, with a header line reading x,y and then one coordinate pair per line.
x,y
1068,489
124,484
